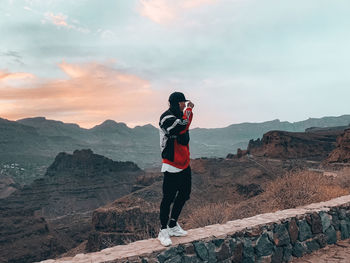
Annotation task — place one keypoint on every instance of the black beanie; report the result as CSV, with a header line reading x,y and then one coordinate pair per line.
x,y
174,100
176,97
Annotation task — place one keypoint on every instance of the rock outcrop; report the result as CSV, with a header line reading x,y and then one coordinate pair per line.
x,y
285,145
55,211
341,154
127,220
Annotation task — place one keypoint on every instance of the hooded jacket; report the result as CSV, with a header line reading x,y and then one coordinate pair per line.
x,y
174,137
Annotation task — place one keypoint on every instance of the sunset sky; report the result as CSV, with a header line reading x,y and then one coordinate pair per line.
x,y
85,61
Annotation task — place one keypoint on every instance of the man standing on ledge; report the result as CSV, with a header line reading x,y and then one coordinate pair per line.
x,y
174,138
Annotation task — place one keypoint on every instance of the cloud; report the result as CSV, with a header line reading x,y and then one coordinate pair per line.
x,y
106,34
13,56
92,93
61,20
166,11
27,8
5,76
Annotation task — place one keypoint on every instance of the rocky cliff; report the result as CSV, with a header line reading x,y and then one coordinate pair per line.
x,y
53,214
341,154
313,145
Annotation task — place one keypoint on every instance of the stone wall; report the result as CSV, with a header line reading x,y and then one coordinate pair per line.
x,y
271,237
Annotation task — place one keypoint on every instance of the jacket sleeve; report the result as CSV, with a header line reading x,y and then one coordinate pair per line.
x,y
174,126
187,115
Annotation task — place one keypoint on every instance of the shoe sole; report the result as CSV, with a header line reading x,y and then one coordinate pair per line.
x,y
166,245
173,235
163,244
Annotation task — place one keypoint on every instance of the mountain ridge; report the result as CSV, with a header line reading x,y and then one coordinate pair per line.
x,y
149,124
33,143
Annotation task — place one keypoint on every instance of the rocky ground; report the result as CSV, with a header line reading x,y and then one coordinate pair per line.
x,y
336,253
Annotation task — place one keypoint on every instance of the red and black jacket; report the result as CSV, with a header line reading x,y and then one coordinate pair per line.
x,y
174,138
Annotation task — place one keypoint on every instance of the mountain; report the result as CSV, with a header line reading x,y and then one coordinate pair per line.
x,y
33,143
52,127
53,214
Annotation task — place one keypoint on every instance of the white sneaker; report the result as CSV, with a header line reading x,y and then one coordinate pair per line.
x,y
176,231
164,237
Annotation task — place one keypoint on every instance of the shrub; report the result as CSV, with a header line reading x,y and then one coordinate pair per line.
x,y
302,188
212,213
343,177
292,190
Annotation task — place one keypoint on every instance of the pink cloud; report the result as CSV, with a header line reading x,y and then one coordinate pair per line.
x,y
59,19
166,11
158,11
187,4
15,76
92,93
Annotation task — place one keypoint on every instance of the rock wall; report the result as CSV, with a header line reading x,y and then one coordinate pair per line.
x,y
271,237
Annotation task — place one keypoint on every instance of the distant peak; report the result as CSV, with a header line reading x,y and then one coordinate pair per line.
x,y
83,152
111,124
275,120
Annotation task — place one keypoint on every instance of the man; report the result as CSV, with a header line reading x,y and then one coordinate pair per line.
x,y
174,138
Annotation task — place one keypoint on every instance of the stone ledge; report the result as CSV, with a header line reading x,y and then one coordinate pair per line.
x,y
270,237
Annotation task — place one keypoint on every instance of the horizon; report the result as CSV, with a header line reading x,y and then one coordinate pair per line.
x,y
156,125
236,60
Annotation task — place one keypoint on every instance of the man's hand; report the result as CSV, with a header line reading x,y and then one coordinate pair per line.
x,y
190,104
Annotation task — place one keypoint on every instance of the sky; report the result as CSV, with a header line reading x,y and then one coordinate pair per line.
x,y
86,61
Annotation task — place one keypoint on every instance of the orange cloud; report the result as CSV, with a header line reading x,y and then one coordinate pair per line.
x,y
92,93
15,76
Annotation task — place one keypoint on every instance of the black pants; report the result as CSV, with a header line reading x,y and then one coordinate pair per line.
x,y
177,190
